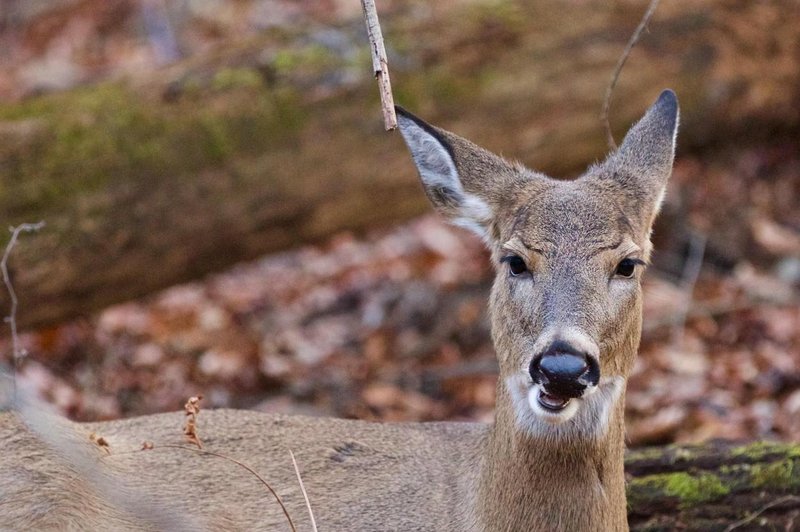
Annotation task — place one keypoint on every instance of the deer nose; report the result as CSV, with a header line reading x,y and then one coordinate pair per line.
x,y
564,372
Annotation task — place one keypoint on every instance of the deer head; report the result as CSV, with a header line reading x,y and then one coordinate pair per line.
x,y
568,255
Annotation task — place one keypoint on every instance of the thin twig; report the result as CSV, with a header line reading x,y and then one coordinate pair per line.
x,y
751,517
618,69
303,489
150,447
11,319
380,65
691,271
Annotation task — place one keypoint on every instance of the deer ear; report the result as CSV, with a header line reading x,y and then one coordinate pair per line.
x,y
461,179
643,163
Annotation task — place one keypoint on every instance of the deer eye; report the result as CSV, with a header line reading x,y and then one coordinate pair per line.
x,y
627,267
515,265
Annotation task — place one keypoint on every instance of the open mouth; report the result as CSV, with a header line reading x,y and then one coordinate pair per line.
x,y
552,403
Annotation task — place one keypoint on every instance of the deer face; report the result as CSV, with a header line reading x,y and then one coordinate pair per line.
x,y
568,255
566,302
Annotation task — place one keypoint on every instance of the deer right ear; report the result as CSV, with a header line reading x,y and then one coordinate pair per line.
x,y
455,173
643,162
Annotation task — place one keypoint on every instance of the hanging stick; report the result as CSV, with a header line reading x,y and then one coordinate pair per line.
x,y
380,65
651,9
11,319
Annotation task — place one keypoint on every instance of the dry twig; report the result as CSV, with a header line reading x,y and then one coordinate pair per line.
x,y
192,408
651,9
691,271
11,319
305,495
149,446
100,442
752,516
380,65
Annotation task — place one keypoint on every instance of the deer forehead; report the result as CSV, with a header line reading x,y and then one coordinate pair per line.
x,y
567,215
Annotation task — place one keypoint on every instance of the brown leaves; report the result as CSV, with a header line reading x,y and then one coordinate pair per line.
x,y
394,327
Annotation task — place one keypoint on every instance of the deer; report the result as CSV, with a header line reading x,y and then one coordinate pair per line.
x,y
566,319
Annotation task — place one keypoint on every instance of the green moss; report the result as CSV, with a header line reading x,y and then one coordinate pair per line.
x,y
780,468
694,489
689,490
93,137
781,474
645,453
670,454
760,450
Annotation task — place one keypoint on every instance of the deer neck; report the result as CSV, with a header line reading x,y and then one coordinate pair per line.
x,y
535,482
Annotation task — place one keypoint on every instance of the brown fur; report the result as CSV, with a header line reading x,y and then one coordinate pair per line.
x,y
513,475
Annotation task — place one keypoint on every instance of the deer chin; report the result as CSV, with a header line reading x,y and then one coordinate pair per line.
x,y
552,408
541,414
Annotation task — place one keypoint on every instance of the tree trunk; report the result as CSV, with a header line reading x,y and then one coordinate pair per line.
x,y
261,146
714,487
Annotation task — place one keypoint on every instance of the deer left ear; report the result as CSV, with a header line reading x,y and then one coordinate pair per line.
x,y
643,163
462,180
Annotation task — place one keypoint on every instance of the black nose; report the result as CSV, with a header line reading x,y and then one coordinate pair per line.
x,y
564,371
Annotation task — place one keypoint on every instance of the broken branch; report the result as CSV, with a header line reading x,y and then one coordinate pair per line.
x,y
380,65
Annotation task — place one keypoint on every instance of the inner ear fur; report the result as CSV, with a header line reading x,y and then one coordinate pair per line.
x,y
463,181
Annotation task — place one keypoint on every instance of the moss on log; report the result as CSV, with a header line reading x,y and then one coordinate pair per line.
x,y
713,486
149,182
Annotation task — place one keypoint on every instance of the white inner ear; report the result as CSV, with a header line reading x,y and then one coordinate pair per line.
x,y
438,170
663,192
660,200
475,215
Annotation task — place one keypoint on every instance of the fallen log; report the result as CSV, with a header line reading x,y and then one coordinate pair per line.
x,y
717,486
149,182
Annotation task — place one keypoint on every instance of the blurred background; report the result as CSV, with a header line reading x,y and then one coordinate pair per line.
x,y
226,216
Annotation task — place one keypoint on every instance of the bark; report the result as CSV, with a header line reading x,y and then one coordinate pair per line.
x,y
714,487
258,147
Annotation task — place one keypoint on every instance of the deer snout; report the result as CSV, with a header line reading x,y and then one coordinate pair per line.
x,y
564,372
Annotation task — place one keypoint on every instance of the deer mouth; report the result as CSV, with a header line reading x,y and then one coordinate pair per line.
x,y
552,403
